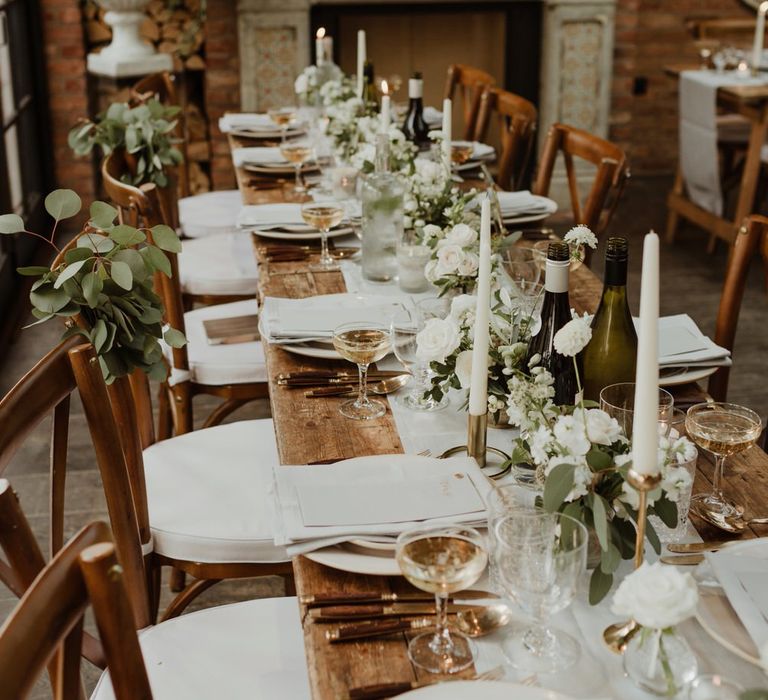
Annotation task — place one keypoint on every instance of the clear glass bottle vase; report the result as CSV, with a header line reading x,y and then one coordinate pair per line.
x,y
660,661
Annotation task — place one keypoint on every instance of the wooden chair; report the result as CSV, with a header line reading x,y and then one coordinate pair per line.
x,y
216,266
470,83
235,373
516,119
196,657
751,240
607,185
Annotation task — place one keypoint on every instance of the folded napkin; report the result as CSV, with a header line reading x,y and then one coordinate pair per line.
x,y
365,496
316,317
521,202
247,120
258,155
269,215
483,151
433,117
681,343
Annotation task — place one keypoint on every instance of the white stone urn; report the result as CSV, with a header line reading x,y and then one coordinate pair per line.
x,y
128,54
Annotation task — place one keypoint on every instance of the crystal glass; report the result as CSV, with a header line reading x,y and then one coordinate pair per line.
x,y
326,163
677,422
665,533
724,429
283,117
362,343
524,264
441,559
296,153
540,558
660,661
412,257
500,501
323,216
406,325
618,401
712,686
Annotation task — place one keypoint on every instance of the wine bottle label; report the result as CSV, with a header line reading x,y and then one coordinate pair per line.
x,y
557,276
415,88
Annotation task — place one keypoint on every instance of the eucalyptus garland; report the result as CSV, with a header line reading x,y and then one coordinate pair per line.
x,y
105,279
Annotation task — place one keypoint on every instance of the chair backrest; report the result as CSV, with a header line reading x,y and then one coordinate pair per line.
x,y
751,239
596,210
46,388
516,118
48,621
162,87
469,82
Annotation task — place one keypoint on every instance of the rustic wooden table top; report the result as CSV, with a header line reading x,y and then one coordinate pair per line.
x,y
312,430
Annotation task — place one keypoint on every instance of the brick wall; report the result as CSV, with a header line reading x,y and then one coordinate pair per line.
x,y
65,62
651,34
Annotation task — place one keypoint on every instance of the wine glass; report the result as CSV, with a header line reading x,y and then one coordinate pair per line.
x,y
323,216
540,558
714,687
296,153
524,264
441,559
404,331
362,342
724,429
283,117
618,401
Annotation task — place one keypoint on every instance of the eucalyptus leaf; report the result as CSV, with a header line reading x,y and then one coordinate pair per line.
x,y
95,242
11,223
610,559
126,235
165,238
599,585
103,215
557,486
599,460
600,518
667,511
63,204
76,254
121,274
174,338
32,271
48,300
159,371
69,272
92,286
99,334
156,259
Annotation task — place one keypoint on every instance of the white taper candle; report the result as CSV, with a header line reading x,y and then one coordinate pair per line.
x,y
757,47
385,113
478,387
645,431
361,59
447,133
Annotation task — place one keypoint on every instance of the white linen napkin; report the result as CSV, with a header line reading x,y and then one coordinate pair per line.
x,y
681,342
520,202
247,120
698,134
315,317
433,117
382,478
256,215
258,155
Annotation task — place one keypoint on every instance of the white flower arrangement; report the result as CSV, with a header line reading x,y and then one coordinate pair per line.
x,y
578,237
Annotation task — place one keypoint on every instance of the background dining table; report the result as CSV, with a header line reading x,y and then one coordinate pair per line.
x,y
312,431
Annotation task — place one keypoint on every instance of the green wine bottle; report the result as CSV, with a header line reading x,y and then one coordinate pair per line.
x,y
611,355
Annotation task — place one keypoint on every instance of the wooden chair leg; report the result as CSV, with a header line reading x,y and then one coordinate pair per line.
x,y
223,410
181,408
290,584
178,580
180,602
164,417
711,244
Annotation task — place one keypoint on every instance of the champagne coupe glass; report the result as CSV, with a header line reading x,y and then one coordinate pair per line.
x,y
283,117
323,216
405,328
618,401
461,151
441,559
362,342
540,558
724,429
297,153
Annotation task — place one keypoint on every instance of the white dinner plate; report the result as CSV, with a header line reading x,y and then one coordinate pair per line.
x,y
483,690
719,619
258,134
356,560
277,168
318,350
548,207
301,235
686,376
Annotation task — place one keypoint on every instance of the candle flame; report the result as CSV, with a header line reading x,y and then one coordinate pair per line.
x,y
320,33
384,87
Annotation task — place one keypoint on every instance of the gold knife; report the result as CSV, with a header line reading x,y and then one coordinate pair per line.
x,y
321,599
683,560
695,547
335,613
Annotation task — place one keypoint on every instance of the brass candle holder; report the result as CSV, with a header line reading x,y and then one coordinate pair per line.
x,y
477,445
617,636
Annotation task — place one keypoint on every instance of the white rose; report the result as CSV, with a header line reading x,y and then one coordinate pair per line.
x,y
539,443
464,368
573,337
468,265
301,84
431,231
449,258
462,235
431,271
570,433
602,429
656,596
438,339
462,306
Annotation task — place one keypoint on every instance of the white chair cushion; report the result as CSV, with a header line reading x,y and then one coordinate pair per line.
x,y
209,494
244,651
238,363
221,264
210,213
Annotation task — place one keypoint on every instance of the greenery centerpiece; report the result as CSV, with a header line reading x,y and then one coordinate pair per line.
x,y
105,279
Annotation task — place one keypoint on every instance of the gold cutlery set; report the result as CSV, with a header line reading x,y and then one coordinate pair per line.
x,y
322,384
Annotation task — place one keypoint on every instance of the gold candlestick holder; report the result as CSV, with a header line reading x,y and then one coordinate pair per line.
x,y
477,446
617,636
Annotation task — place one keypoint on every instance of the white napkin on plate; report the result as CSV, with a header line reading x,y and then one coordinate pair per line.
x,y
316,317
520,202
681,343
375,484
265,215
258,155
433,117
247,120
